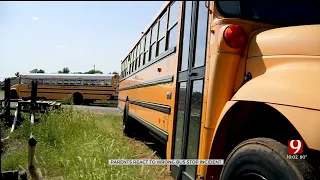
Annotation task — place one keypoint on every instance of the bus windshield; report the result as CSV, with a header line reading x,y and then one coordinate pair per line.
x,y
284,13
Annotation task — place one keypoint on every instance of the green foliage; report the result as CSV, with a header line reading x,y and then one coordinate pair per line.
x,y
68,100
77,145
65,70
94,71
17,74
37,71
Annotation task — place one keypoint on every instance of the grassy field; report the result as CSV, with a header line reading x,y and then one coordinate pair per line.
x,y
1,94
77,145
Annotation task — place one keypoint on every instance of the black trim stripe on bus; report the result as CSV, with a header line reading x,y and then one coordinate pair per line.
x,y
154,60
78,89
157,107
152,82
67,93
74,85
161,133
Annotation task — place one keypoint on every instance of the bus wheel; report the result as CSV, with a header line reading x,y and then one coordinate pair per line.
x,y
14,94
126,122
265,159
77,98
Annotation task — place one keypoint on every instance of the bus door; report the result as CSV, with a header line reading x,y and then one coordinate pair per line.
x,y
190,83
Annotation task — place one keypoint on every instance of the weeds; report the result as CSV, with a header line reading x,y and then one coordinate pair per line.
x,y
73,144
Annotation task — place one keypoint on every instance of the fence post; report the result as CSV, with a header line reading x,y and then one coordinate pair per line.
x,y
7,100
34,89
32,140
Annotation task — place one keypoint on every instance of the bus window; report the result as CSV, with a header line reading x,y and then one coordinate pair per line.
x,y
40,81
146,56
85,82
162,33
46,81
79,82
172,28
65,81
71,81
53,81
59,81
24,80
101,83
93,82
108,83
154,33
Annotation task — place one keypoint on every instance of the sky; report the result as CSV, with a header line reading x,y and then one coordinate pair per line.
x,y
78,35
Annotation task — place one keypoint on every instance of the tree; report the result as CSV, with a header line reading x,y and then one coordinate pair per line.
x,y
37,71
94,71
17,74
65,70
115,72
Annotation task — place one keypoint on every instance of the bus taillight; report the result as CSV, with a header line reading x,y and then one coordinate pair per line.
x,y
235,36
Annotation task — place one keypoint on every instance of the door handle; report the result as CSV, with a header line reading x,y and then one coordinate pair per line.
x,y
192,74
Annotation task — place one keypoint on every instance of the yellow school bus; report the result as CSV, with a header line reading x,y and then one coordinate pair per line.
x,y
84,88
232,80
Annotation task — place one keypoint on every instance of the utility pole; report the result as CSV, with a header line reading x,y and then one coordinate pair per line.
x,y
94,67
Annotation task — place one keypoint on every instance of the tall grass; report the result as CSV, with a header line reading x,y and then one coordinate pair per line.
x,y
73,144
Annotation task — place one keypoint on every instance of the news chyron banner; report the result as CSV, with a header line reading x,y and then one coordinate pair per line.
x,y
166,162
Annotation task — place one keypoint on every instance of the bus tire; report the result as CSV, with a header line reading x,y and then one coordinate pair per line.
x,y
126,122
77,98
260,158
14,94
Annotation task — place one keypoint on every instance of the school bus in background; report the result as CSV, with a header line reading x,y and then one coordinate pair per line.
x,y
84,88
233,80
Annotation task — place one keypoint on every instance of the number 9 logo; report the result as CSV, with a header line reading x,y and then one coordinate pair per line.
x,y
295,147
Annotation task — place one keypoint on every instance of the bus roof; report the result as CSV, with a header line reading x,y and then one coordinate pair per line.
x,y
66,76
166,3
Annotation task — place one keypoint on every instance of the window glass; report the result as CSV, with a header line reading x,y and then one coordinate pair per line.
x,y
163,26
283,13
40,81
79,82
142,60
59,81
146,57
173,14
135,64
85,82
24,80
201,43
108,82
101,83
153,51
172,37
94,82
186,36
161,46
71,81
46,81
154,33
142,44
53,81
65,81
147,41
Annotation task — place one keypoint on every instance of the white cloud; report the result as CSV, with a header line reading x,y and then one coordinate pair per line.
x,y
60,46
35,18
81,48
